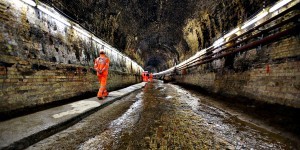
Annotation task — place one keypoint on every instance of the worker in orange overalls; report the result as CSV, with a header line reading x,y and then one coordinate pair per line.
x,y
146,76
101,66
150,77
143,76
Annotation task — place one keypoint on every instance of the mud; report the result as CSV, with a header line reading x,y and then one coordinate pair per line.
x,y
164,116
275,118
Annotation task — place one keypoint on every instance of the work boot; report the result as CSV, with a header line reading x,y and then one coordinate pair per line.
x,y
100,93
105,93
100,98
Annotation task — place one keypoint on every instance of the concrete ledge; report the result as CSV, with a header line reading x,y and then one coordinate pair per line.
x,y
21,132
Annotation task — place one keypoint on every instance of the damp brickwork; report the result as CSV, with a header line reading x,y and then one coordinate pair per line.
x,y
270,73
43,60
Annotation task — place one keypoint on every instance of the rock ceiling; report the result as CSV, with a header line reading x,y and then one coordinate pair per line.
x,y
159,33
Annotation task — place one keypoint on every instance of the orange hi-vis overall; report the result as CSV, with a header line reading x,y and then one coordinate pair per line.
x,y
144,76
101,66
151,77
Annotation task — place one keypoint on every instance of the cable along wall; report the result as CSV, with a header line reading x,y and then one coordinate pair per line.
x,y
76,45
47,58
201,57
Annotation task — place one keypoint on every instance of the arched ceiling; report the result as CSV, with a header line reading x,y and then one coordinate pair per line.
x,y
159,33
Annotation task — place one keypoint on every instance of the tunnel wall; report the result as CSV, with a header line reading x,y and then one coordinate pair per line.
x,y
269,74
45,59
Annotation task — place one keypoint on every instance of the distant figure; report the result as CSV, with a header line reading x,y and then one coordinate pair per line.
x,y
101,66
150,77
145,76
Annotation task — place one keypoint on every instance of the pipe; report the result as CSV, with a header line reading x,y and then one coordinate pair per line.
x,y
294,18
247,32
260,25
253,44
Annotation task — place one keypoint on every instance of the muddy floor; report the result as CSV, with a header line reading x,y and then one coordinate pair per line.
x,y
165,116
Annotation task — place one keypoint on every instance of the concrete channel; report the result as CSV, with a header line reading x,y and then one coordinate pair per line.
x,y
21,132
167,116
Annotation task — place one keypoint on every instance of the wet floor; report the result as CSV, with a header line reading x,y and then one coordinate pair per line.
x,y
164,116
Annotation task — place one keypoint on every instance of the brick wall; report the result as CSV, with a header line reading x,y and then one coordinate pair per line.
x,y
43,60
30,82
270,74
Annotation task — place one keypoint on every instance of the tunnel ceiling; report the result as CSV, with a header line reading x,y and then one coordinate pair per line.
x,y
159,33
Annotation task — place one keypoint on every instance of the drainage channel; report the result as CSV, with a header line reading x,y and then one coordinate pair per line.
x,y
164,116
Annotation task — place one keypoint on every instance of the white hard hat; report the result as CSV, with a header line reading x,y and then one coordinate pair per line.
x,y
102,51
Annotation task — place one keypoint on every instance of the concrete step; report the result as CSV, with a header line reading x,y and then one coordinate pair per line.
x,y
20,132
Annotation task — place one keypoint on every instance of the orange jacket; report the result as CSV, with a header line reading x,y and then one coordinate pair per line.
x,y
151,76
102,65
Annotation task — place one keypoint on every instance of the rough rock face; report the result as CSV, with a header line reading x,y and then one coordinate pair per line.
x,y
159,33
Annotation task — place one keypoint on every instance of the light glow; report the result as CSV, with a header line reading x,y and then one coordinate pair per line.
x,y
279,5
97,40
30,2
218,42
254,20
46,11
82,31
201,52
50,13
221,40
232,32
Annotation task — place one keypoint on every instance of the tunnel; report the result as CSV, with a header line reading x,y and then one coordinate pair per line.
x,y
149,74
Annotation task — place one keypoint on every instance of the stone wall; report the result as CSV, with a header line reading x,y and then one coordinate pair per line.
x,y
174,29
269,74
43,60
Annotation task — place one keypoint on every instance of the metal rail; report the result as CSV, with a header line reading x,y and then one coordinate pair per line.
x,y
294,18
248,35
249,32
250,45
